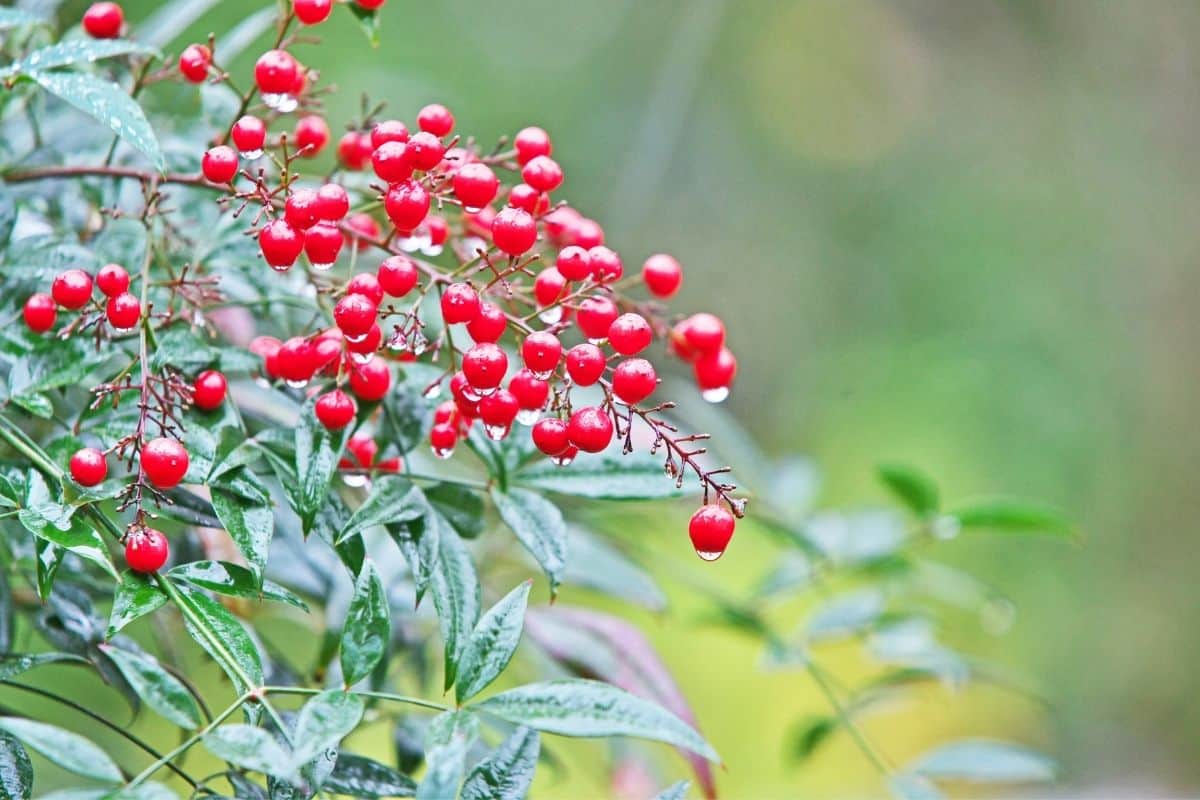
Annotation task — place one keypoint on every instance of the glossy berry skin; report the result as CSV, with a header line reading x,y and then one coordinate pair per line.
x,y
606,264
436,119
363,449
40,312
389,130
541,352
280,243
88,466
390,162
588,233
406,204
300,209
573,263
710,529
371,381
112,279
460,303
397,275
164,462
465,400
208,392
542,173
527,198
194,62
485,365
530,143
312,134
634,379
354,314
630,334
499,409
103,20
366,284
662,275
561,224
335,410
219,164
595,316
363,225
475,185
296,360
590,429
323,242
72,289
550,436
146,550
549,287
514,230
333,203
443,438
715,370
354,150
488,325
369,343
276,71
123,311
249,134
437,228
704,333
312,12
267,348
585,364
424,150
531,391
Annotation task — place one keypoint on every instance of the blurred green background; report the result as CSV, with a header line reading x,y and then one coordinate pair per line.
x,y
960,235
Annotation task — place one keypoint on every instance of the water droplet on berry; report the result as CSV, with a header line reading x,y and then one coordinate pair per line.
x,y
563,460
123,330
420,346
484,392
297,384
551,316
443,453
432,250
495,432
281,267
528,416
322,267
541,376
597,342
432,391
251,155
473,243
472,209
361,358
717,395
355,481
471,393
283,103
710,555
198,318
309,291
355,339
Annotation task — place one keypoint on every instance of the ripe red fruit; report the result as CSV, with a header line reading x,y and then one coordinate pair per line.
x,y
704,333
460,303
530,143
484,365
322,244
715,370
550,436
424,150
442,438
435,119
164,462
267,348
296,360
219,164
88,466
446,412
312,134
549,287
630,334
312,12
300,209
363,225
397,275
606,264
573,263
366,284
465,398
662,275
514,230
595,315
488,325
370,5
634,380
541,351
499,409
561,224
146,550
437,229
406,204
208,392
354,314
371,381
389,130
354,148
590,429
529,199
390,162
72,289
194,62
335,409
112,279
531,391
475,185
276,72
585,364
364,450
103,20
588,233
249,134
40,312
367,344
710,529
280,244
542,173
123,311
333,203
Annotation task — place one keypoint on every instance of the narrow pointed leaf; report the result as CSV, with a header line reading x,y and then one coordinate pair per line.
x,y
159,689
492,643
250,523
1013,516
454,585
539,525
73,51
135,597
610,477
392,500
234,580
984,761
108,103
359,776
676,791
368,626
322,723
16,770
447,741
223,637
508,772
68,750
250,748
912,487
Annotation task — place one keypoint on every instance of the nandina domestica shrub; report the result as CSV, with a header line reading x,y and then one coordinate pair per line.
x,y
233,384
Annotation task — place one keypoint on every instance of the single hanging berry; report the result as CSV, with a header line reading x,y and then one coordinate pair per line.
x,y
194,62
585,364
72,289
123,311
630,334
249,134
573,263
634,379
312,134
112,279
530,143
208,392
590,429
333,204
366,284
88,466
397,275
389,130
300,209
40,312
436,119
498,410
710,529
542,173
219,164
354,150
662,275
460,303
103,20
703,333
484,365
715,373
390,162
335,409
312,12
275,72
606,264
424,151
281,244
442,439
164,462
146,550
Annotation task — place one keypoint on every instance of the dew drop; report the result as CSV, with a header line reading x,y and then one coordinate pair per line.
x,y
432,250
420,346
471,393
354,339
472,209
710,555
551,316
123,330
945,527
528,416
563,460
281,267
598,342
251,155
541,376
432,391
716,395
474,243
495,432
355,481
485,392
297,384
322,266
443,453
361,358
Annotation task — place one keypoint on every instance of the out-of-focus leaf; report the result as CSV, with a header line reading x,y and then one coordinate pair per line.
x,y
598,565
368,626
855,537
6,614
73,51
323,722
845,614
359,776
461,506
222,630
539,526
158,688
251,748
68,750
611,477
449,737
392,500
108,103
1012,516
913,787
454,586
911,486
15,17
984,761
406,418
244,34
74,535
368,20
811,734
676,791
792,571
144,791
233,580
16,770
317,451
508,772
171,19
492,643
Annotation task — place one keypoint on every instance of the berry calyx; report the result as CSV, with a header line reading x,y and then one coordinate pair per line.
x,y
550,436
194,62
276,72
542,173
514,230
72,289
662,275
280,244
39,312
595,316
630,334
541,351
484,366
208,392
488,325
475,185
397,275
88,466
335,410
710,529
573,263
249,134
164,462
585,364
406,204
112,279
146,550
590,429
123,311
219,164
530,143
103,20
354,314
436,119
371,381
634,380
312,134
390,162
460,303
312,12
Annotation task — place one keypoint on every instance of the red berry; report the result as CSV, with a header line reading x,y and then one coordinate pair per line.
x,y
715,370
561,224
590,429
437,229
327,349
280,244
397,275
333,203
443,438
480,223
710,529
112,279
606,264
406,204
573,263
585,364
335,409
219,164
634,380
662,275
363,225
435,119
541,351
630,334
704,333
542,173
390,130
40,312
249,134
300,209
390,162
366,284
499,409
296,360
446,412
588,233
465,398
488,325
531,391
354,148
529,199
424,150
312,134
514,230
475,185
123,311
164,462
550,436
549,287
146,550
312,12
363,448
276,71
530,143
370,5
88,466
72,289
595,315
194,61
367,344
354,314
460,303
267,348
103,20
208,392
371,381
485,365
322,244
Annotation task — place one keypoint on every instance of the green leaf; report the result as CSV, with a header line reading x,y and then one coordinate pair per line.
x,y
454,586
15,17
392,499
508,772
811,734
71,52
368,626
68,750
144,791
234,580
368,20
460,505
53,523
983,761
845,614
35,403
136,596
250,522
607,476
160,690
1012,516
108,103
359,776
406,418
171,19
911,486
16,770
676,791
913,787
222,634
317,452
598,565
323,722
492,643
13,665
250,748
447,741
539,525
590,708
184,349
